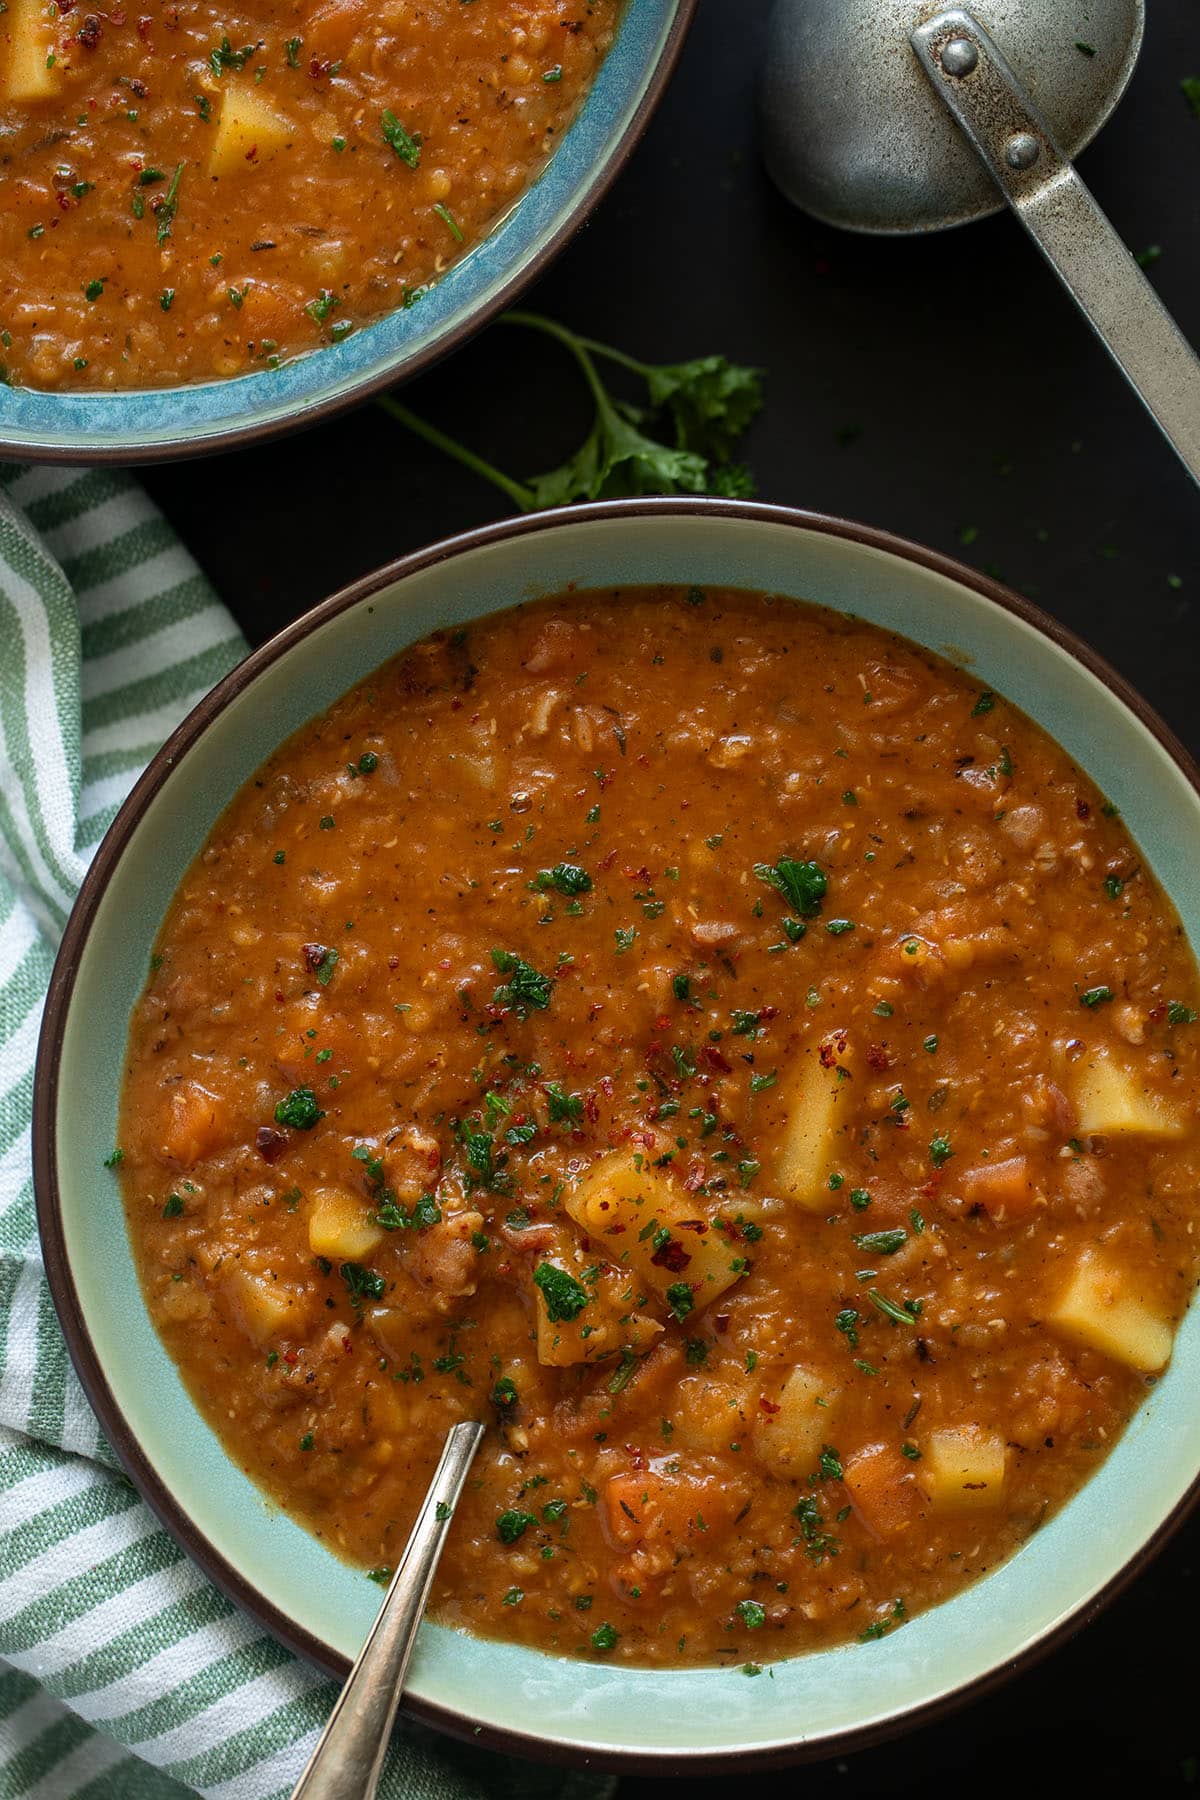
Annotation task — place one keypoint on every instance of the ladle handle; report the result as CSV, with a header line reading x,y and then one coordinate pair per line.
x,y
1040,184
349,1755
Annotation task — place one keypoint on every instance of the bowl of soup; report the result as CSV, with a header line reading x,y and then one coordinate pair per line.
x,y
218,224
708,990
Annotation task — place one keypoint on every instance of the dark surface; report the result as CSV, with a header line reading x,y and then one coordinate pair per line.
x,y
983,405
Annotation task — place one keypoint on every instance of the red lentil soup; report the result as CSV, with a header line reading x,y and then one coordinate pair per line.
x,y
203,191
716,1043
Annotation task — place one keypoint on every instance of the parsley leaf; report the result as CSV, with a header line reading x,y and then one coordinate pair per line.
x,y
704,406
526,987
802,884
564,1296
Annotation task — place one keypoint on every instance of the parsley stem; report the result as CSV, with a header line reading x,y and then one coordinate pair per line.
x,y
521,496
576,345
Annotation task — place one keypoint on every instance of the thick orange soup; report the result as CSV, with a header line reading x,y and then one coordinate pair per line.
x,y
203,191
724,1047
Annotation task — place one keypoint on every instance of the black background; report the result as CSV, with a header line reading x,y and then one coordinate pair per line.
x,y
981,405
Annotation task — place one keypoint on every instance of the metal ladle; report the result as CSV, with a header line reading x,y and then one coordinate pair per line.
x,y
349,1755
895,116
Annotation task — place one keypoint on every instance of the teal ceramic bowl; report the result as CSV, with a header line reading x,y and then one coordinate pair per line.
x,y
150,424
520,1698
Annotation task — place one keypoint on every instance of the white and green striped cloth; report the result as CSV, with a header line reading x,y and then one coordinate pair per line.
x,y
124,1675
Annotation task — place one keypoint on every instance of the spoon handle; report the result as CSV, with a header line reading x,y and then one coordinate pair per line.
x,y
349,1755
1039,182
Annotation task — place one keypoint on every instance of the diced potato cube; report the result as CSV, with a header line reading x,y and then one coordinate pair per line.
x,y
249,133
28,40
1111,1098
1102,1308
644,1223
882,1489
962,1467
339,1226
789,1442
265,1307
812,1109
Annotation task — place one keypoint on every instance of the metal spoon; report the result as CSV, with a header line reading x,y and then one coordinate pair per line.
x,y
901,116
349,1755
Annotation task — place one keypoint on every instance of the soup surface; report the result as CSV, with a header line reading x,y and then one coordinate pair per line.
x,y
203,191
717,1043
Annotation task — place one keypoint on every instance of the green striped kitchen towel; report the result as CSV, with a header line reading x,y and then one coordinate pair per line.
x,y
123,1672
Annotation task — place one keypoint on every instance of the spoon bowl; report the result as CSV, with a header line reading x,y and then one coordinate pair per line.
x,y
853,134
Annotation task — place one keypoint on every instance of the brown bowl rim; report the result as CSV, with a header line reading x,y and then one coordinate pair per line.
x,y
303,414
58,1271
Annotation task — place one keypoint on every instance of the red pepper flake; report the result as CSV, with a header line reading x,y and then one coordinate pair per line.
x,y
672,1256
663,1022
314,955
722,1322
280,996
1082,809
270,1143
767,1406
713,1055
879,1057
692,1225
607,861
591,1107
393,963
89,32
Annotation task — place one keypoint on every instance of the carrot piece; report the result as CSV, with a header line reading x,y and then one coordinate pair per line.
x,y
1005,1188
648,1508
197,1123
882,1490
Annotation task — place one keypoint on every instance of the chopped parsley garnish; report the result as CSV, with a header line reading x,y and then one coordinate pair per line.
x,y
623,937
1179,1014
984,704
1114,887
564,878
860,1199
752,1615
512,1524
848,1322
525,988
839,927
940,1151
680,1299
605,1637
226,57
758,1083
406,145
564,1296
165,212
504,1394
114,1159
899,1315
695,1352
299,1110
802,884
882,1243
173,1207
829,1464
1096,996
565,1109
363,1283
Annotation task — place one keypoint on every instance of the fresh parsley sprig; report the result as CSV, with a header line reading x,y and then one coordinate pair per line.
x,y
706,405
